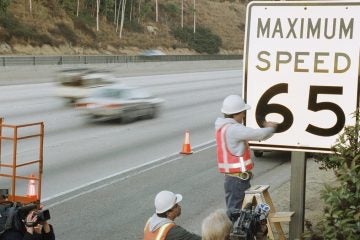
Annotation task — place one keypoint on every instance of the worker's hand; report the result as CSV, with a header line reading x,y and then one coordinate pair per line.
x,y
271,124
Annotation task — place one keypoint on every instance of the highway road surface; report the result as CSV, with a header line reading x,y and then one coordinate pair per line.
x,y
100,179
118,208
78,152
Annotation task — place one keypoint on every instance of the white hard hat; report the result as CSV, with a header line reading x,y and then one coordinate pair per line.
x,y
234,104
165,200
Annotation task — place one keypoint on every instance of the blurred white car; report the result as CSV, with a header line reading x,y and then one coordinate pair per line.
x,y
153,52
78,83
119,101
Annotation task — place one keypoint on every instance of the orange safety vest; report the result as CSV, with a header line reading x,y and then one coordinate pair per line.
x,y
159,234
228,162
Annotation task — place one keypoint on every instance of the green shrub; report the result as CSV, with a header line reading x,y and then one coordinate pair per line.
x,y
342,212
42,39
86,18
81,25
203,41
171,9
16,29
67,33
56,9
145,10
4,4
134,26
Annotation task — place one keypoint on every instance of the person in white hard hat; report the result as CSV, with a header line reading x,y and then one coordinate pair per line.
x,y
161,224
233,152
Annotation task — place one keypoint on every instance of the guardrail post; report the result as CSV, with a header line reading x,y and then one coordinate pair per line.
x,y
4,61
34,61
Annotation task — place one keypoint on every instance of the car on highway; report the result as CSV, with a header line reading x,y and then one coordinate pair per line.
x,y
153,52
77,83
120,101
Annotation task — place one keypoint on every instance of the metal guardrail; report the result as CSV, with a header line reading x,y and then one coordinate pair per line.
x,y
89,59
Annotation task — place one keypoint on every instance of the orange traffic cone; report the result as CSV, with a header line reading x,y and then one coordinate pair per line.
x,y
31,191
186,149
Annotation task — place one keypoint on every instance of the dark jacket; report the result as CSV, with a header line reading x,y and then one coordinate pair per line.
x,y
179,233
175,233
16,235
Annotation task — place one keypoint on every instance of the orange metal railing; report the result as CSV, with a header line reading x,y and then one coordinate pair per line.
x,y
12,166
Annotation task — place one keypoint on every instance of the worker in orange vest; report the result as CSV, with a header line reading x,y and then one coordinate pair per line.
x,y
161,225
233,152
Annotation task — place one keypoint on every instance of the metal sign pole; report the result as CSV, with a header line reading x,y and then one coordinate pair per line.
x,y
297,194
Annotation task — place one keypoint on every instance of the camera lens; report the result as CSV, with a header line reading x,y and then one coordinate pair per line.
x,y
43,215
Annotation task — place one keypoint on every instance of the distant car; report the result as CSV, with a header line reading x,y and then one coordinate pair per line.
x,y
78,83
119,101
153,52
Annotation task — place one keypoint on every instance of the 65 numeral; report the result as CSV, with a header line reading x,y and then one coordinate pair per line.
x,y
264,108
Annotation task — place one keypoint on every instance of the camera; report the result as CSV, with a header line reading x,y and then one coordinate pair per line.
x,y
13,215
250,222
42,215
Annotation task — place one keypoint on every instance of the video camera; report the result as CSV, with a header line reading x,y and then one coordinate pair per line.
x,y
13,214
42,215
250,222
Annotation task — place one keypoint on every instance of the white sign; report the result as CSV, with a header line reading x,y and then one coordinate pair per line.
x,y
301,69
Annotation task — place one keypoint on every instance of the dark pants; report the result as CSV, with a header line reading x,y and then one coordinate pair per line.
x,y
235,193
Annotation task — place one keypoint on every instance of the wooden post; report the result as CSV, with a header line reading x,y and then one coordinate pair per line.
x,y
297,194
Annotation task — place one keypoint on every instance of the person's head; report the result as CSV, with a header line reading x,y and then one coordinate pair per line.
x,y
234,107
216,226
167,204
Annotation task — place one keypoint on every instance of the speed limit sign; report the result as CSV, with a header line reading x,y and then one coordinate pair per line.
x,y
301,69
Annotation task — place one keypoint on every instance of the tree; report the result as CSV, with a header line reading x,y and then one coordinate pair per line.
x,y
156,11
77,8
194,10
4,4
122,17
97,14
182,13
117,16
30,6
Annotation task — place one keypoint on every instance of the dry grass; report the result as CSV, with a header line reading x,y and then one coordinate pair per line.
x,y
225,19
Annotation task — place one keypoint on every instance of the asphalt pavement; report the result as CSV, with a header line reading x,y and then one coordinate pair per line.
x,y
118,207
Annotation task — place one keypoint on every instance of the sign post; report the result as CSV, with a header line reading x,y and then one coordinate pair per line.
x,y
297,194
301,69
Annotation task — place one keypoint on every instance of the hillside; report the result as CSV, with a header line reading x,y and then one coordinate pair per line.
x,y
52,29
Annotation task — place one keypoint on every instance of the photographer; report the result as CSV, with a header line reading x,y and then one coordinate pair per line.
x,y
38,230
29,228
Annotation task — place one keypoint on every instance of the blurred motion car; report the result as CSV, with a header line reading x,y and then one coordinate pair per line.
x,y
77,83
119,101
153,52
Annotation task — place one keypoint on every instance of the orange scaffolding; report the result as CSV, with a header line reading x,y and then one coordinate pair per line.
x,y
13,165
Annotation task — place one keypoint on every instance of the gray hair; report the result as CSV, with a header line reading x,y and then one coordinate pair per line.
x,y
216,226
